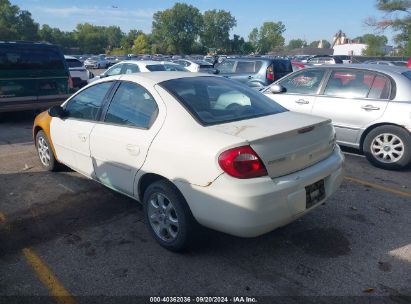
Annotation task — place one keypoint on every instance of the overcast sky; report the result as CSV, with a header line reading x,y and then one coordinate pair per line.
x,y
309,20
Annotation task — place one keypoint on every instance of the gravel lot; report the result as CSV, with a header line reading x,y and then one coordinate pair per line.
x,y
95,243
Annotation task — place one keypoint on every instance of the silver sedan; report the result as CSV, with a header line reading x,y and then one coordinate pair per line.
x,y
370,106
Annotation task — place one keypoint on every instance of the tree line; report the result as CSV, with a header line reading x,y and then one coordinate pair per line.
x,y
183,29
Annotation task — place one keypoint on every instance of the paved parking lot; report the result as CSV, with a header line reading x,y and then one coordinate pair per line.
x,y
61,234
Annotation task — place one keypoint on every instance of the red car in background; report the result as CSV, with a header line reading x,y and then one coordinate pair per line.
x,y
409,63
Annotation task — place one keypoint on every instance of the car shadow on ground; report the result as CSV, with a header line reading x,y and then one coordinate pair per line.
x,y
334,235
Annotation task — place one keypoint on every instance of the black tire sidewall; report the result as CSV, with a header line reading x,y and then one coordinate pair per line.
x,y
53,163
185,218
403,134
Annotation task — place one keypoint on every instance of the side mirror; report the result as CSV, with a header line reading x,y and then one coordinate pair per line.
x,y
102,75
215,71
276,88
57,111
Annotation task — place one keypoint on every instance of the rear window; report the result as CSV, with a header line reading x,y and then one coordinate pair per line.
x,y
74,63
156,67
407,74
282,66
30,59
215,100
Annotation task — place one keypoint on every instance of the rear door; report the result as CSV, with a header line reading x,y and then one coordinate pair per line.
x,y
246,71
53,74
301,90
120,143
353,99
18,81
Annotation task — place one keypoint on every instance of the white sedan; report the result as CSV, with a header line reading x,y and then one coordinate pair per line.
x,y
194,149
139,66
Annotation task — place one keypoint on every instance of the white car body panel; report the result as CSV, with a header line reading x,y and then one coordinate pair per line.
x,y
186,153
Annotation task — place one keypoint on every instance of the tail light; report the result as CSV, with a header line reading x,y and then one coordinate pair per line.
x,y
70,83
242,162
270,73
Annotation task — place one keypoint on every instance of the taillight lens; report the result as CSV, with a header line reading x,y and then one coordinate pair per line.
x,y
270,73
242,162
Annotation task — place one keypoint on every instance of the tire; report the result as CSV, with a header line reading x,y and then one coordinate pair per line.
x,y
388,147
45,152
168,216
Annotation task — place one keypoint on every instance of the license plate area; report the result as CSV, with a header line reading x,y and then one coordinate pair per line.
x,y
314,193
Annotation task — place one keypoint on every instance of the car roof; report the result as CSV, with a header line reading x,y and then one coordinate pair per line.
x,y
370,67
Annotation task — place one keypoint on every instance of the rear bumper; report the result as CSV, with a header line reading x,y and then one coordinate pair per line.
x,y
252,207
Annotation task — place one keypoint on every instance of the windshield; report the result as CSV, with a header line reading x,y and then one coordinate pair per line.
x,y
216,100
156,67
399,63
93,58
74,63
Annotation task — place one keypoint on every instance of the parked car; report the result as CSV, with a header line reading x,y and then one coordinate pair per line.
x,y
369,105
96,62
389,62
131,66
78,73
254,72
409,63
194,148
32,76
319,60
195,65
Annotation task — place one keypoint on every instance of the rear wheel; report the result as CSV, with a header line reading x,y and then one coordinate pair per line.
x,y
168,216
45,152
388,147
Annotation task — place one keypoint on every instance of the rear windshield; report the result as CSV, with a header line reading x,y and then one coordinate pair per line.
x,y
216,100
30,59
74,63
156,67
282,66
407,74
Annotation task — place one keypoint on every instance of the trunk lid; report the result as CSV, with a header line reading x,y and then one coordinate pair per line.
x,y
286,142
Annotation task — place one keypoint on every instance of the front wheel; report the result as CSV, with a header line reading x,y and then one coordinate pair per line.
x,y
388,147
168,216
45,152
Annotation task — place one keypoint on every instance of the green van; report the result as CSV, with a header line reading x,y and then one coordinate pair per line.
x,y
32,76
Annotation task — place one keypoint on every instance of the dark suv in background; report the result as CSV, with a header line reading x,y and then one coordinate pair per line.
x,y
254,72
32,76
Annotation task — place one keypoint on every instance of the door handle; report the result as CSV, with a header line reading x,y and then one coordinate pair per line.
x,y
133,149
370,108
82,137
302,101
250,77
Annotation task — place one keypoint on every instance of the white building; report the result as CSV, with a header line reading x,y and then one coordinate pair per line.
x,y
350,49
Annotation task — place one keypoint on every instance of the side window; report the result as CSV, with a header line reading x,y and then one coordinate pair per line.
x,y
131,68
380,88
116,70
88,103
227,66
245,67
132,105
349,83
306,82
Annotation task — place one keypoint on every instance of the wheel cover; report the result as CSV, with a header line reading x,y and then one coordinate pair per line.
x,y
387,148
44,151
163,217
